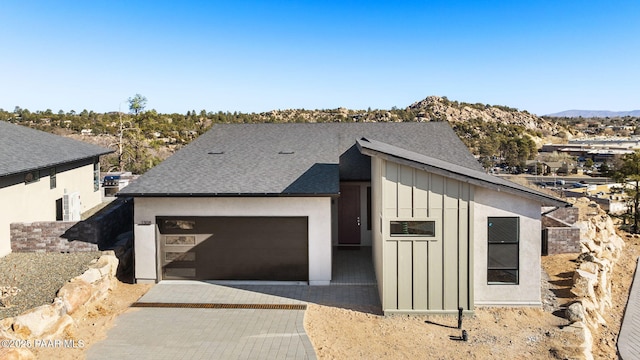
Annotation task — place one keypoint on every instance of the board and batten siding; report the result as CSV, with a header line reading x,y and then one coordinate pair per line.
x,y
423,275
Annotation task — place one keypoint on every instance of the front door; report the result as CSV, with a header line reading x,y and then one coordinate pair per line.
x,y
349,215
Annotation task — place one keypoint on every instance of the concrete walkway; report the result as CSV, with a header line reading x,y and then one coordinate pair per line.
x,y
629,339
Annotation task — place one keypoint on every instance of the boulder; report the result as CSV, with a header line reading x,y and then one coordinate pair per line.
x,y
74,294
106,265
589,266
581,333
100,289
583,284
575,312
38,321
90,276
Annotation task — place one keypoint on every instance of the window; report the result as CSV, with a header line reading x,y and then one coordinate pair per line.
x,y
368,207
412,228
503,238
52,178
32,176
96,175
178,225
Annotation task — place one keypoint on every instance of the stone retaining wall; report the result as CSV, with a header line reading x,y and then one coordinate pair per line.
x,y
600,250
49,322
103,227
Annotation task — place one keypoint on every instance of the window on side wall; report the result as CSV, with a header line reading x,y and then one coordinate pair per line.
x,y
52,178
412,228
32,176
503,236
96,175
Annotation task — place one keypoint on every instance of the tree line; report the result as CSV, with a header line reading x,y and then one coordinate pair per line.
x,y
142,138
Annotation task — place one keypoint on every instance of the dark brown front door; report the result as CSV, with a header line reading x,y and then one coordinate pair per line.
x,y
349,215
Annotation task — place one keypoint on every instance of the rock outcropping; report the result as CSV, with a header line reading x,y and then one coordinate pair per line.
x,y
436,107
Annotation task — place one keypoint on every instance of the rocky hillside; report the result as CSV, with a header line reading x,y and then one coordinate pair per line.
x,y
433,108
440,108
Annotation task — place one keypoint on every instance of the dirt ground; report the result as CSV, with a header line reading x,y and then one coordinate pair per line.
x,y
91,323
338,333
492,332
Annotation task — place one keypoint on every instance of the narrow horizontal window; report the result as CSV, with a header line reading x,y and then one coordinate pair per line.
x,y
179,256
179,240
412,228
179,224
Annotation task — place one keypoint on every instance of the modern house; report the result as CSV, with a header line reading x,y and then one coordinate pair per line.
x,y
269,201
44,177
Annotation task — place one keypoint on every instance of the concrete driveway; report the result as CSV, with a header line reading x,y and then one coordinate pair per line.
x,y
199,320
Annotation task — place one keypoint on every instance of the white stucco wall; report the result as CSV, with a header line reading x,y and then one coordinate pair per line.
x,y
317,209
527,292
36,201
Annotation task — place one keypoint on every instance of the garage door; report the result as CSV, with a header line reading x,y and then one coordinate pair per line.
x,y
234,248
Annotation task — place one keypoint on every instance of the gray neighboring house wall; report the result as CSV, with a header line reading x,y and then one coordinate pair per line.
x,y
37,170
269,201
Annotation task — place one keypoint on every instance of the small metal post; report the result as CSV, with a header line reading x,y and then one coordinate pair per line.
x,y
459,318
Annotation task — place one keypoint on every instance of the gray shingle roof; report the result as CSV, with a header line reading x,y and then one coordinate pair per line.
x,y
302,159
480,178
24,149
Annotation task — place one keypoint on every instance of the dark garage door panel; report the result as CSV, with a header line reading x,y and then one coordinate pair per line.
x,y
241,248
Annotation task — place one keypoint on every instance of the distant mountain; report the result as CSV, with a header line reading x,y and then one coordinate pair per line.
x,y
595,113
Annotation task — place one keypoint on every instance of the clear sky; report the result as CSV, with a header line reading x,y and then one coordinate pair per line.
x,y
543,56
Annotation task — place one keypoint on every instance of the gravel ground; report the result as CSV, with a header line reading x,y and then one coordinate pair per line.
x,y
39,276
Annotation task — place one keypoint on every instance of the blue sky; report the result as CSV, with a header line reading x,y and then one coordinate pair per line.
x,y
252,56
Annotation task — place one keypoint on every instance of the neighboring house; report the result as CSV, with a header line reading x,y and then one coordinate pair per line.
x,y
269,201
44,177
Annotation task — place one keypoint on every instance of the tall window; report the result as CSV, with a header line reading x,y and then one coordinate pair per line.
x,y
504,237
52,178
96,175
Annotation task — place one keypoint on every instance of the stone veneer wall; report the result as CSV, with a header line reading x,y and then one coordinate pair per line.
x,y
96,233
46,237
562,236
568,214
562,240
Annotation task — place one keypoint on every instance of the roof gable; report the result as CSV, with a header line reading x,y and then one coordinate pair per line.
x,y
24,149
376,148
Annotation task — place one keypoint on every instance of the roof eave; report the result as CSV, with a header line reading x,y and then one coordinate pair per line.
x,y
542,198
50,165
198,195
